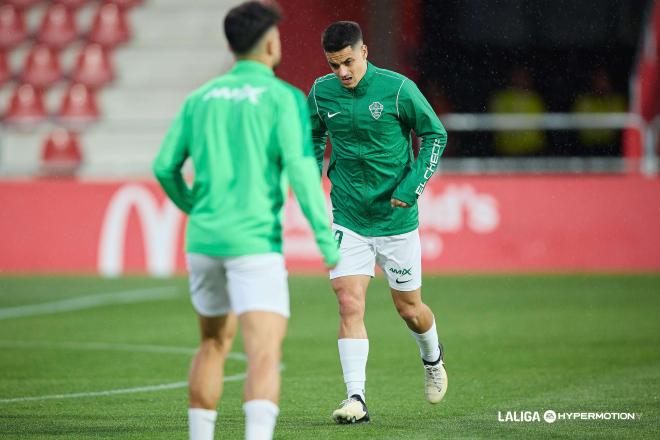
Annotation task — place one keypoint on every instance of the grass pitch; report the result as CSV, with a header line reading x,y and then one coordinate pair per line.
x,y
108,359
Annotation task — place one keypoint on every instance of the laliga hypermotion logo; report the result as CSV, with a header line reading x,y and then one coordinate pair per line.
x,y
159,224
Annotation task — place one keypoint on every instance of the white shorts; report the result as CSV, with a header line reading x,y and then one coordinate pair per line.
x,y
398,256
239,284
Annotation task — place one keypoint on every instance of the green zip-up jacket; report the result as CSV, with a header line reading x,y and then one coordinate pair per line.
x,y
372,159
246,132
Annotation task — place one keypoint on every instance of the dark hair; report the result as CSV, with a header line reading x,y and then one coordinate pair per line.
x,y
247,23
341,34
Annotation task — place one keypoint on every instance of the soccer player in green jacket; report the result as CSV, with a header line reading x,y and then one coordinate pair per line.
x,y
247,133
369,113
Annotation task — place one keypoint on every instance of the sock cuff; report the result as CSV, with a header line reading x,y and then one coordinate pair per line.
x,y
352,343
262,404
206,413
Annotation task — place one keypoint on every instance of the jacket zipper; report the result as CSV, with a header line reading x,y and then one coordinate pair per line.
x,y
367,209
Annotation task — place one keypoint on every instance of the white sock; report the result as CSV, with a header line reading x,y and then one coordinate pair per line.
x,y
260,418
201,423
428,344
353,354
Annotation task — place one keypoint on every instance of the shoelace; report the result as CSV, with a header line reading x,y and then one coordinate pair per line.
x,y
348,401
433,371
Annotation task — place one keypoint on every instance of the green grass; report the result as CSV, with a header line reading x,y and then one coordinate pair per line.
x,y
568,343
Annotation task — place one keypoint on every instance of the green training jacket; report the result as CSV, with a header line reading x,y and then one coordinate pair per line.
x,y
372,159
246,133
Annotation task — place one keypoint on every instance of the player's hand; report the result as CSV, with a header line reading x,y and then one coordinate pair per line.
x,y
398,204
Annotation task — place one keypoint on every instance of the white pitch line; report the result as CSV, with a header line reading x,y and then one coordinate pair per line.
x,y
89,301
138,348
108,346
161,387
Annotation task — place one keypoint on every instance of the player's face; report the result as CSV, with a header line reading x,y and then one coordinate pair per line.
x,y
349,64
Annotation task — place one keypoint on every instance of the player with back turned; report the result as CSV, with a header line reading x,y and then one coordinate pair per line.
x,y
369,113
246,133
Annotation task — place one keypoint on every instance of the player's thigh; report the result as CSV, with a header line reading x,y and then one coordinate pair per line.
x,y
400,258
258,283
357,252
263,332
208,287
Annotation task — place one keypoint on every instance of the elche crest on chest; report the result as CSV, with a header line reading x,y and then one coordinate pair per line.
x,y
376,109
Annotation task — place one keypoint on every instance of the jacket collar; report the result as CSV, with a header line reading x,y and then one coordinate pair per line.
x,y
363,85
249,66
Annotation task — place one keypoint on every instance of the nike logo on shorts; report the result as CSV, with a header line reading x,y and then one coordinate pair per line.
x,y
402,282
332,115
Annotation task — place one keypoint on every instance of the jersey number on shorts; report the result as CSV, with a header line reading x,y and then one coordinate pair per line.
x,y
338,236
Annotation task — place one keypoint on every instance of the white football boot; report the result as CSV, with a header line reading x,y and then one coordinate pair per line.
x,y
435,379
351,410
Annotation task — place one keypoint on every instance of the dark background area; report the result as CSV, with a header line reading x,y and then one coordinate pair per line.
x,y
470,46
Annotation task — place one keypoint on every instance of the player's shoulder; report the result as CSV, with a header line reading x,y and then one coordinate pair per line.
x,y
325,82
201,91
390,77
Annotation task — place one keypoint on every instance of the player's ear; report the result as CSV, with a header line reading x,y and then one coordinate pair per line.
x,y
270,42
365,51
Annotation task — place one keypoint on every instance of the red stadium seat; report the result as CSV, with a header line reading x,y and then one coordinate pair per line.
x,y
26,106
61,154
78,106
5,71
22,4
93,67
125,4
109,28
58,27
41,67
73,4
13,30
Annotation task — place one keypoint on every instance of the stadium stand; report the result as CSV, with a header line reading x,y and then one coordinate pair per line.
x,y
41,67
93,67
78,107
5,71
121,81
26,107
110,27
13,29
58,27
61,155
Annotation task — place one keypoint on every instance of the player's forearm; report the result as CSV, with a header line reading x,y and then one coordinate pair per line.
x,y
306,185
428,160
176,189
319,141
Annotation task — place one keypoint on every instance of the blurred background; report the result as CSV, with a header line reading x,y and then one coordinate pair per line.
x,y
551,107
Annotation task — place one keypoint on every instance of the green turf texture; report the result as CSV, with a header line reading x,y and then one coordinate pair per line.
x,y
578,343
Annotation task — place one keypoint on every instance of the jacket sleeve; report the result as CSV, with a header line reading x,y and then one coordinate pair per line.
x,y
169,161
417,113
319,130
294,138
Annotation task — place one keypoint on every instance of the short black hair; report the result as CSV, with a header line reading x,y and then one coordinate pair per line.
x,y
341,34
247,23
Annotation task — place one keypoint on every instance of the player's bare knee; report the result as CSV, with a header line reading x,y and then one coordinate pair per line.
x,y
215,344
350,306
265,359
